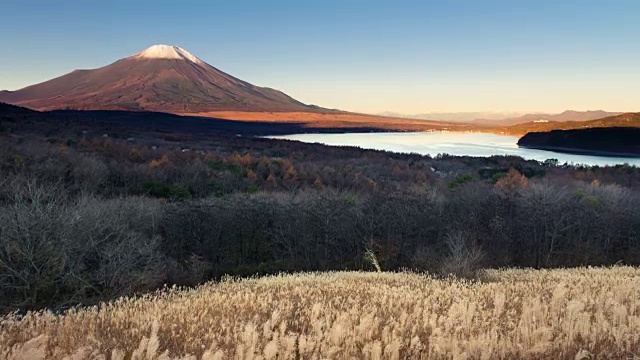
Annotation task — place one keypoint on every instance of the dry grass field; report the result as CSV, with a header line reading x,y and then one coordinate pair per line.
x,y
337,120
586,313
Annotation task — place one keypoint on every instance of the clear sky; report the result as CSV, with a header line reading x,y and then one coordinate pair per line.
x,y
358,55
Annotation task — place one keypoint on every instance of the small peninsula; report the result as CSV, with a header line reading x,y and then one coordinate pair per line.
x,y
613,141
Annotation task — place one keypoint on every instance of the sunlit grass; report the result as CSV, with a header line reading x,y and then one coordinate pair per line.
x,y
510,314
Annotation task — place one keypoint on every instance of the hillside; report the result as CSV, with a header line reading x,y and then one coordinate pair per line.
x,y
514,314
340,120
623,120
614,141
211,123
10,111
568,115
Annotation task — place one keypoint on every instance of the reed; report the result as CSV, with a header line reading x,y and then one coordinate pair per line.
x,y
583,313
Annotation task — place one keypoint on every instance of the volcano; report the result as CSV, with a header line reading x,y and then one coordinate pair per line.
x,y
161,78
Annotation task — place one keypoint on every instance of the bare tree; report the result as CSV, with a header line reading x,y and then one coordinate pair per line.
x,y
464,256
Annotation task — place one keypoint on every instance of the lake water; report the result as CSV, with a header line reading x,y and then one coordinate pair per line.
x,y
453,143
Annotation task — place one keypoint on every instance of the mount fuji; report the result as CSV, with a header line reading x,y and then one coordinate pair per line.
x,y
161,78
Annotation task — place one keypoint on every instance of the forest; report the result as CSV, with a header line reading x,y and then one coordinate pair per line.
x,y
612,141
90,213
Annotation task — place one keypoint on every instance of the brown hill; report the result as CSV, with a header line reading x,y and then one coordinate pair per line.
x,y
161,78
623,120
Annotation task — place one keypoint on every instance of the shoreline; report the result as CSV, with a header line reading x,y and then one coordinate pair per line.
x,y
578,151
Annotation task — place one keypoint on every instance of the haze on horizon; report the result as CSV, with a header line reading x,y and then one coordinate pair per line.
x,y
409,57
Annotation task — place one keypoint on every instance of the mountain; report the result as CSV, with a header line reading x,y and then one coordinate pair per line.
x,y
161,78
622,120
568,115
571,115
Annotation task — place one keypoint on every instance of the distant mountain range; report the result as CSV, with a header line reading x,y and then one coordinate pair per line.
x,y
467,117
161,78
505,118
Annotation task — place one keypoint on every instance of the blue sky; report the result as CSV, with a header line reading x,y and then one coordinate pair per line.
x,y
369,56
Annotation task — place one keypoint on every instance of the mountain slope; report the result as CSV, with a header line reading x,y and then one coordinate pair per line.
x,y
623,120
160,78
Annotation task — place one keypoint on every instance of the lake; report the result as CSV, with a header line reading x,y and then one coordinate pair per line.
x,y
453,143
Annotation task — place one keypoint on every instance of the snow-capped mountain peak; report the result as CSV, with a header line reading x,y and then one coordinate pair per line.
x,y
167,52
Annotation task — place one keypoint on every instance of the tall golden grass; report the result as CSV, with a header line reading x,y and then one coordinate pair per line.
x,y
586,313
